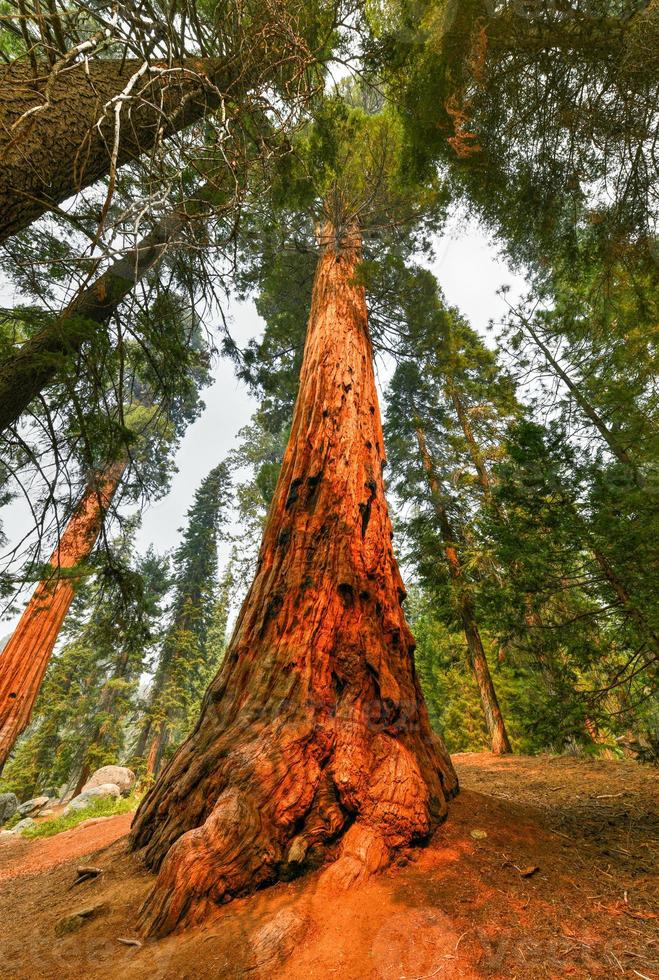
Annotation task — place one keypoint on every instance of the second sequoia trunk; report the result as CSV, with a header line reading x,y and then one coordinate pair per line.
x,y
24,660
313,740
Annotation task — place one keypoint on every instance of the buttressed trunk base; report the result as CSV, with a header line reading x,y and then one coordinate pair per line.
x,y
314,741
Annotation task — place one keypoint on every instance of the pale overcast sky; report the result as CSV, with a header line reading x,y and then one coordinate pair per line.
x,y
470,271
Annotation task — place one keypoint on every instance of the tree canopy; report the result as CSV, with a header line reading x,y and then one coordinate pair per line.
x,y
164,167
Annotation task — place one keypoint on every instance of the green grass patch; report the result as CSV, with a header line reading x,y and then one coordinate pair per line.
x,y
105,807
8,824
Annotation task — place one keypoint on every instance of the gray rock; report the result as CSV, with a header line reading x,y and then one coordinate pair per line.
x,y
93,820
121,776
18,828
8,806
274,941
73,921
31,808
88,796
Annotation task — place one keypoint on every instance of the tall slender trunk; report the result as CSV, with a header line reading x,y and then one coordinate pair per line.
x,y
532,618
314,738
60,133
156,749
474,449
24,660
493,717
44,357
589,411
83,776
152,727
143,739
482,472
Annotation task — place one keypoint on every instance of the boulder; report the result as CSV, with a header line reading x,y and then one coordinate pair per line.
x,y
74,921
94,820
8,806
32,808
121,776
88,796
18,828
274,941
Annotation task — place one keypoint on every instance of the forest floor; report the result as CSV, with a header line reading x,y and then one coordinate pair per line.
x,y
544,868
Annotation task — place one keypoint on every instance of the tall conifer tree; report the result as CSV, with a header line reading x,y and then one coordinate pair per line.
x,y
317,712
187,662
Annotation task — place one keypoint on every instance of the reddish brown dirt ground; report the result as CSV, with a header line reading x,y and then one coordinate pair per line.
x,y
464,906
24,857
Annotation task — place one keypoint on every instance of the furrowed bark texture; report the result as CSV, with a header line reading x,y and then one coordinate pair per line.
x,y
58,133
313,740
496,727
24,660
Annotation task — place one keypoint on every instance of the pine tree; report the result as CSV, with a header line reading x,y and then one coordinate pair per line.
x,y
82,717
586,634
255,463
136,436
186,661
121,637
528,107
24,660
412,412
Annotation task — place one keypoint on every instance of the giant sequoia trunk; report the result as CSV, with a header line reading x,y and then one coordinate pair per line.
x,y
496,727
313,740
59,133
24,660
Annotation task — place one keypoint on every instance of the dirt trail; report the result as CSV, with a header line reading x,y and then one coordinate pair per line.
x,y
29,857
543,870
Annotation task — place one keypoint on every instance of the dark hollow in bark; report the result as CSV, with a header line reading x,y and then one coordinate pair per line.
x,y
314,741
24,660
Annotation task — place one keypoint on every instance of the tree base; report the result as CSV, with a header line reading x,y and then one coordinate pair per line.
x,y
293,802
314,741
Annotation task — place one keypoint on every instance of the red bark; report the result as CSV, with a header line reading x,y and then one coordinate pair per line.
x,y
24,660
314,741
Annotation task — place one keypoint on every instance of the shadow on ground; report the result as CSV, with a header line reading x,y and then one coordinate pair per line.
x,y
544,869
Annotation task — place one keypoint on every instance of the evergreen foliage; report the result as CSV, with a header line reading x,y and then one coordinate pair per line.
x,y
529,452
194,639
